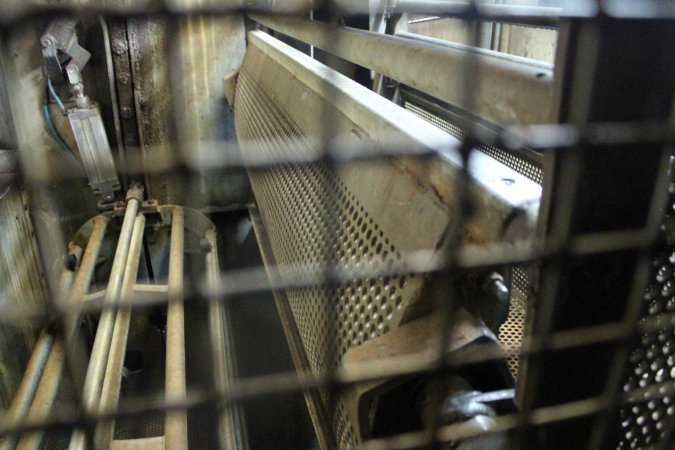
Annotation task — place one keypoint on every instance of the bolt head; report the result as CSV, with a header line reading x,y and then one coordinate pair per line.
x,y
127,112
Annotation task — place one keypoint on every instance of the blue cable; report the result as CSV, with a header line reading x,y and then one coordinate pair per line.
x,y
52,91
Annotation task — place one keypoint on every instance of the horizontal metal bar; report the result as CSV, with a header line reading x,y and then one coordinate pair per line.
x,y
509,92
537,16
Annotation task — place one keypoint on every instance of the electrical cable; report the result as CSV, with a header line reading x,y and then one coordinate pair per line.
x,y
56,97
52,128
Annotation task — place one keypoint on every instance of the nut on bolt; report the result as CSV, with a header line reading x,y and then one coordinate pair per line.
x,y
135,192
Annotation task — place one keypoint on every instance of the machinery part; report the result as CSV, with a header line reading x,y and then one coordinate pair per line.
x,y
513,91
371,214
96,369
92,143
61,49
102,386
63,54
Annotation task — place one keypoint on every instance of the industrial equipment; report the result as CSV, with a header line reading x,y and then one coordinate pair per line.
x,y
337,224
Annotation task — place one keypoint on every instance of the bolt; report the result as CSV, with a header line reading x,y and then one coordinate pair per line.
x,y
123,79
498,289
108,197
127,112
119,47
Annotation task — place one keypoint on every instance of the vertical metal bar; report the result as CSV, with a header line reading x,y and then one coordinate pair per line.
x,y
99,354
229,429
175,427
113,374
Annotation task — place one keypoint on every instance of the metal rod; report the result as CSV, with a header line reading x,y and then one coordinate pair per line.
x,y
86,270
535,16
44,396
99,354
510,92
25,393
230,424
175,427
113,374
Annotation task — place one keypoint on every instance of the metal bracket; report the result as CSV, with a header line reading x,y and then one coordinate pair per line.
x,y
61,49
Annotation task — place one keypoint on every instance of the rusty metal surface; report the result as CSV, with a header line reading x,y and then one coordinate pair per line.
x,y
186,58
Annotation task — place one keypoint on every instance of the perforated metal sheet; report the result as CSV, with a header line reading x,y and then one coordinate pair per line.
x,y
354,215
313,217
652,362
520,165
511,331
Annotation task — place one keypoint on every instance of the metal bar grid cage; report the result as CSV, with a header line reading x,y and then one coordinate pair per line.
x,y
459,247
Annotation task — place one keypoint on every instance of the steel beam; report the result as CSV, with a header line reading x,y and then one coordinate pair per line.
x,y
509,92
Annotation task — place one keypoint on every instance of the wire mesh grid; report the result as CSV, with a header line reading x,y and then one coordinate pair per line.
x,y
635,337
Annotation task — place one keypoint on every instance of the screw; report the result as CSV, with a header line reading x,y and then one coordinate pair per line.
x,y
123,79
108,197
127,112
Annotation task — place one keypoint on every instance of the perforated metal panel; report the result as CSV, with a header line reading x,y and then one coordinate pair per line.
x,y
354,215
511,331
520,165
313,219
652,362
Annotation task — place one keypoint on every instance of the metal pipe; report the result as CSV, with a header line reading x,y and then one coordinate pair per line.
x,y
23,398
535,16
478,51
85,272
113,374
99,354
229,420
44,396
175,426
510,92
